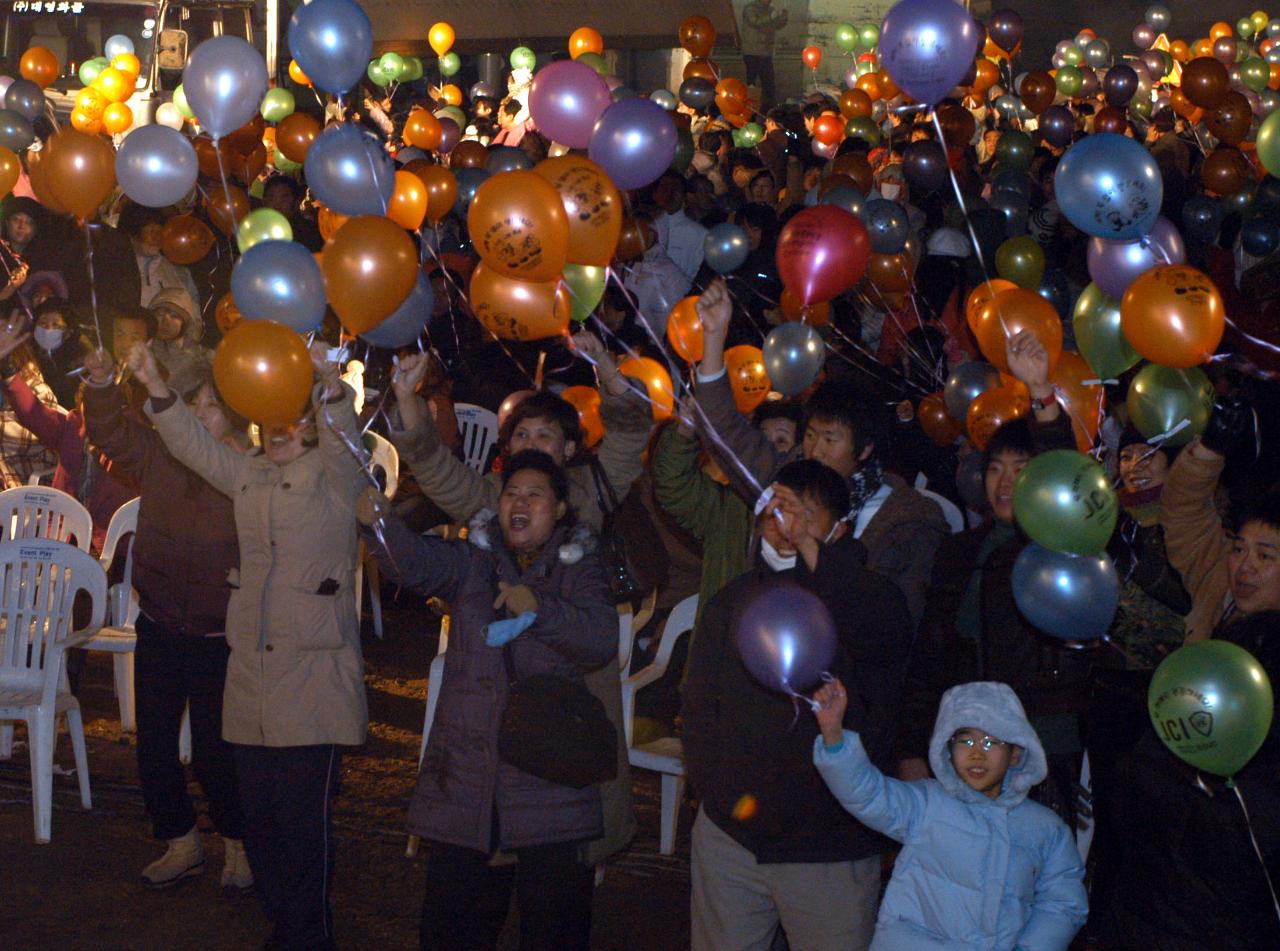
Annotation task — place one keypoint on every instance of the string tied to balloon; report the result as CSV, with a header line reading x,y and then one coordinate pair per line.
x,y
1235,788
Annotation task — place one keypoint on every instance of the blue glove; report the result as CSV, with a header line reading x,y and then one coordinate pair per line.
x,y
504,632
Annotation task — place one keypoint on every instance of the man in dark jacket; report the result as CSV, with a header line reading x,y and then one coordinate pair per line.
x,y
771,845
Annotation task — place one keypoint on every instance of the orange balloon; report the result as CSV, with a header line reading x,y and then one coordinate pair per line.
x,y
185,239
888,88
632,239
684,330
451,94
854,103
81,171
747,376
81,121
732,87
40,66
592,206
828,129
1202,47
422,130
263,371
294,135
297,75
985,75
519,310
468,154
519,227
585,40
979,297
441,187
329,221
118,117
586,400
408,205
1219,30
888,273
937,423
10,170
440,37
1083,404
793,308
127,63
39,172
699,68
1009,313
90,102
992,409
697,35
657,382
227,313
226,206
113,84
1180,51
369,268
1173,315
811,56
870,84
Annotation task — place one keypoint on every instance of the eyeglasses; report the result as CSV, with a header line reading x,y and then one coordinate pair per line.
x,y
988,743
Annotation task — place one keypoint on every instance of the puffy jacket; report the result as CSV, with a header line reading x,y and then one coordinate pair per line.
x,y
974,874
1195,539
295,676
185,548
463,781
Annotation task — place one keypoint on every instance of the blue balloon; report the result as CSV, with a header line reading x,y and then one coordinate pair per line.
x,y
280,281
786,637
117,45
634,141
927,46
332,40
847,197
411,154
224,81
793,356
1109,186
25,98
1260,237
156,166
725,248
887,226
469,179
1073,597
349,170
1055,288
406,323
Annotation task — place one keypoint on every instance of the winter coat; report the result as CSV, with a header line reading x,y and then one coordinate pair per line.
x,y
901,537
463,781
741,738
295,676
185,548
1196,540
974,874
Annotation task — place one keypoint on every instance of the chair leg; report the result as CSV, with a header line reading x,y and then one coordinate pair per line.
x,y
122,664
672,795
41,735
434,678
75,726
6,741
359,582
184,736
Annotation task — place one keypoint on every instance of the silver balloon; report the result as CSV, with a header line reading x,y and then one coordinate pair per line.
x,y
887,225
966,383
665,98
156,166
16,132
280,281
332,41
1015,209
725,248
793,356
406,323
1097,53
350,171
1073,597
846,197
224,80
25,98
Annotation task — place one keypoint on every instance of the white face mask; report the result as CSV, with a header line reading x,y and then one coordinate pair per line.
x,y
772,558
49,338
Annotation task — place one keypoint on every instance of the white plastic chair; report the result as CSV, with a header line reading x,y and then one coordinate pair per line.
x,y
664,755
119,638
39,582
631,626
435,677
950,511
478,428
385,457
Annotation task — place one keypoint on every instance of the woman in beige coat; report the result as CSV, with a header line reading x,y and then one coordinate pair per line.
x,y
295,680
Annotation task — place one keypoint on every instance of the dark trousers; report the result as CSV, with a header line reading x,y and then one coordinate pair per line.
x,y
170,671
761,67
467,899
286,792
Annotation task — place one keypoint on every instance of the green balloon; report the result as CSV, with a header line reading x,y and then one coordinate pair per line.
x,y
392,65
752,133
846,37
1255,73
523,58
90,69
596,62
738,141
1014,149
1021,260
1244,27
412,70
1072,56
586,288
1211,704
450,63
868,36
1064,501
864,128
1096,323
454,113
262,224
283,163
1069,79
180,100
1161,398
1269,143
1141,107
277,104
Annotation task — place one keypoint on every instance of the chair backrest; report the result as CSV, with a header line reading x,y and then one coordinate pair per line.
x,y
950,511
478,428
679,623
123,522
39,512
385,457
39,582
626,638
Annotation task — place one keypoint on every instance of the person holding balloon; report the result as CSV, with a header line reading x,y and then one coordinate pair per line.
x,y
771,848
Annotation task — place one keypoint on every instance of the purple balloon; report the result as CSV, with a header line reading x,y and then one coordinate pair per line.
x,y
1057,125
566,100
1119,85
1224,50
926,47
1114,265
1154,61
1143,36
634,140
1005,29
450,134
850,77
786,638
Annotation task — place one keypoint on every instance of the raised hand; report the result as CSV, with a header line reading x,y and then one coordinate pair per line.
x,y
832,702
142,364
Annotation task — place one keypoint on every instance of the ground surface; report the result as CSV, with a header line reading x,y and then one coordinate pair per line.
x,y
81,891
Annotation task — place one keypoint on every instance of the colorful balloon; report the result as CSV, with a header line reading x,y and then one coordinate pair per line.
x,y
1109,186
793,357
1064,501
822,252
1097,331
634,141
1073,597
786,637
1114,265
586,400
263,371
517,309
1173,315
1162,399
186,240
1009,313
518,224
684,330
405,324
279,280
592,205
657,383
992,409
369,269
225,79
927,47
566,100
156,166
330,42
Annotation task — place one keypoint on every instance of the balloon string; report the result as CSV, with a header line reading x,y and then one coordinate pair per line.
x,y
1064,401
93,292
226,190
1235,787
365,462
1251,338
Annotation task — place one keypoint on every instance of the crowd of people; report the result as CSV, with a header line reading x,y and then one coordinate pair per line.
x,y
950,732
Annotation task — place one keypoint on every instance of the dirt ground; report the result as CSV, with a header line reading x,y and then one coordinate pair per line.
x,y
81,892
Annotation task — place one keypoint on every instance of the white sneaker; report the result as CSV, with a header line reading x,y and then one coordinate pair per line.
x,y
184,858
236,873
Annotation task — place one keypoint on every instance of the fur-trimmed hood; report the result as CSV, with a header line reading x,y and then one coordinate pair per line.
x,y
575,541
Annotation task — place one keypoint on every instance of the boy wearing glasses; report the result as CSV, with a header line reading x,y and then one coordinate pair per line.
x,y
981,865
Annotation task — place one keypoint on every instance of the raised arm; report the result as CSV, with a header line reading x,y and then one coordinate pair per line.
x,y
124,439
1194,536
424,564
887,805
684,491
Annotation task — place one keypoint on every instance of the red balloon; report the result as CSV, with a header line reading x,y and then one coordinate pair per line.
x,y
822,252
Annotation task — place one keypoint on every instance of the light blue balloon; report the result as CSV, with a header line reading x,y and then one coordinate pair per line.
x,y
406,323
225,80
665,98
1073,597
349,170
117,45
332,40
887,226
1109,186
280,281
725,248
156,166
793,356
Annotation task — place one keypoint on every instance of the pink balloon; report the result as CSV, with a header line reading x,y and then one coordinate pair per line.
x,y
450,134
1114,265
566,100
822,252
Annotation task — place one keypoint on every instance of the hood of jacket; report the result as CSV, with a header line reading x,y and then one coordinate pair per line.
x,y
995,709
573,542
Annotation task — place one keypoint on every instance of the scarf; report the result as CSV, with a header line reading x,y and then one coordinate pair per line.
x,y
863,484
1143,505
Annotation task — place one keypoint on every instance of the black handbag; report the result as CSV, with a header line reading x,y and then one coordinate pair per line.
x,y
556,729
634,556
